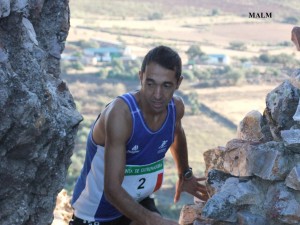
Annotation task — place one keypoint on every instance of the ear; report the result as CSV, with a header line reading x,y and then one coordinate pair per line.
x,y
141,76
179,82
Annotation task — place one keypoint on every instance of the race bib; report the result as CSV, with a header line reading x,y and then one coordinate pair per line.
x,y
141,181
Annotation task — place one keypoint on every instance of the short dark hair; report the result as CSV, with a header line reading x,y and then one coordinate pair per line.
x,y
165,57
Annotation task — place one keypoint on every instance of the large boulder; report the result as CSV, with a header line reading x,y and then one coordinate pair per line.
x,y
281,105
39,119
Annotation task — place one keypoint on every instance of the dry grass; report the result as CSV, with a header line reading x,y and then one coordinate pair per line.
x,y
234,102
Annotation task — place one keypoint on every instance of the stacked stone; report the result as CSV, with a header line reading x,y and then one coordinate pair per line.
x,y
255,178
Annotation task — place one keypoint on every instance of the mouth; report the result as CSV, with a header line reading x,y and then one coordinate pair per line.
x,y
158,105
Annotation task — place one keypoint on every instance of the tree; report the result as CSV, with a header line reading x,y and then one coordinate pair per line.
x,y
77,65
155,16
291,20
194,51
188,74
265,58
123,70
215,12
237,45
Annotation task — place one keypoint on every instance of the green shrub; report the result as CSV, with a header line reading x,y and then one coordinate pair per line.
x,y
87,44
188,74
194,103
291,20
77,66
202,75
124,70
194,51
237,45
155,16
234,76
283,58
265,58
215,12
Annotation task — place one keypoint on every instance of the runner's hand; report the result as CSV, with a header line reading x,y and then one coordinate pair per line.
x,y
193,187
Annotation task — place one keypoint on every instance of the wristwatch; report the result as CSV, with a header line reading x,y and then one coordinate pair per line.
x,y
188,174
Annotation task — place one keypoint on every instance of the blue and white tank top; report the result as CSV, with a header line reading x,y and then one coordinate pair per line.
x,y
145,151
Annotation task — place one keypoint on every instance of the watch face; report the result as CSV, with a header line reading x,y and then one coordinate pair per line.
x,y
188,174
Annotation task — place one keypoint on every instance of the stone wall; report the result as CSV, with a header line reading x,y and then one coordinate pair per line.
x,y
38,121
255,178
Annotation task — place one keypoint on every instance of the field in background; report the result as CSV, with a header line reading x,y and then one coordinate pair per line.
x,y
195,24
213,25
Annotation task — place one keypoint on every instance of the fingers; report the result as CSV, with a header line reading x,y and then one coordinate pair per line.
x,y
177,192
202,196
177,197
202,184
199,190
193,187
201,178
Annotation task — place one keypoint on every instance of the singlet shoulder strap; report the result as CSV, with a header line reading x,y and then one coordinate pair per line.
x,y
128,98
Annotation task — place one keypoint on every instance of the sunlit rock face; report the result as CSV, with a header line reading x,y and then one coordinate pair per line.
x,y
38,121
256,177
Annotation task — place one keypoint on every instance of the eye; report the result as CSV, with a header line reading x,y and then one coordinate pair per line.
x,y
167,85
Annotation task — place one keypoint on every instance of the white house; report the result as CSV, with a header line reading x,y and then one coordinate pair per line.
x,y
217,59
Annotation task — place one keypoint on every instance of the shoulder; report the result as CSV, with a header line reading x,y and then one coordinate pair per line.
x,y
117,110
117,119
179,104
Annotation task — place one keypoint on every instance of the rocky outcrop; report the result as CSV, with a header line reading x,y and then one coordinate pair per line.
x,y
38,120
255,178
258,182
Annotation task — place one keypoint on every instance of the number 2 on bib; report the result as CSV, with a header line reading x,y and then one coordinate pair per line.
x,y
142,181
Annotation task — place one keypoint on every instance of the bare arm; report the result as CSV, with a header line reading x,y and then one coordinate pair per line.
x,y
179,147
179,152
118,129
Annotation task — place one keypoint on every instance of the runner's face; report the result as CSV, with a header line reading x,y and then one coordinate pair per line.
x,y
158,86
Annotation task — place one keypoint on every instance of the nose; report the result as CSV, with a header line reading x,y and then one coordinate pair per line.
x,y
158,92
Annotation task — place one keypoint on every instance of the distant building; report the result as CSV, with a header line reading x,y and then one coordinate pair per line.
x,y
69,57
210,59
106,54
107,51
217,59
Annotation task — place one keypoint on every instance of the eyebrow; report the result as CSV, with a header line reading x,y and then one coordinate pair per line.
x,y
165,82
149,79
